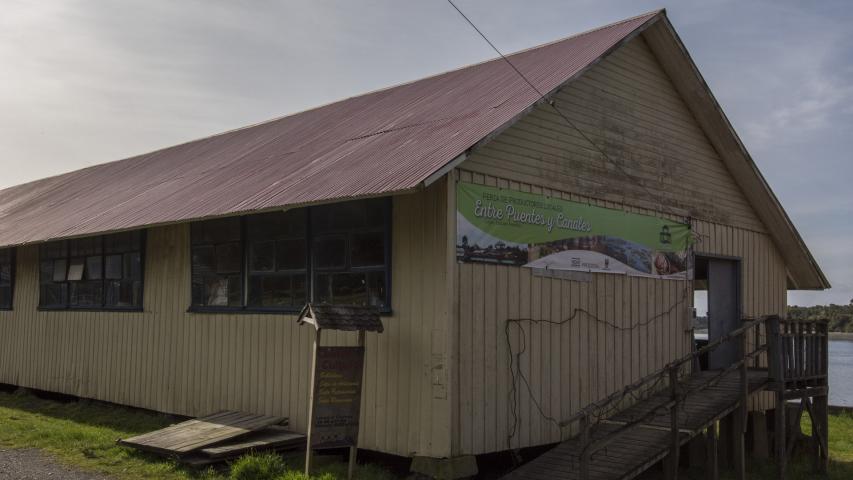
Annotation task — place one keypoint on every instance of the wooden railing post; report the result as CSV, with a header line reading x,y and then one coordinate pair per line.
x,y
777,377
674,446
739,427
823,401
586,454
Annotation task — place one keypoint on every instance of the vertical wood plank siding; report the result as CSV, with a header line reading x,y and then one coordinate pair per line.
x,y
169,360
629,107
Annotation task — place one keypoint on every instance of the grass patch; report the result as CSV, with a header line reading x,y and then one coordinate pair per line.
x,y
83,435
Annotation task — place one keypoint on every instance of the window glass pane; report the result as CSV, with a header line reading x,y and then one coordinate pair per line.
x,y
216,291
377,293
228,258
123,242
85,294
276,225
376,212
277,290
216,231
75,270
53,294
262,256
339,217
270,291
342,288
291,254
330,252
368,249
53,250
112,267
60,267
84,246
45,271
223,291
132,266
5,274
124,293
202,260
5,296
93,268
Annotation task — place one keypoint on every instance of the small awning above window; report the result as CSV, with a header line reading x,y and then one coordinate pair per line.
x,y
341,317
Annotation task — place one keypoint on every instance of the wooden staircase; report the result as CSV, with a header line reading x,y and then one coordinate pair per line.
x,y
622,436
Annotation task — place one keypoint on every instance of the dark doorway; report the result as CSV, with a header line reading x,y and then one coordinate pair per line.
x,y
720,278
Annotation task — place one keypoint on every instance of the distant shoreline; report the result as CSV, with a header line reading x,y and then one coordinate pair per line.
x,y
841,335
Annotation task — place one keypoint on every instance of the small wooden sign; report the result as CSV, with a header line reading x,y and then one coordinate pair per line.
x,y
337,397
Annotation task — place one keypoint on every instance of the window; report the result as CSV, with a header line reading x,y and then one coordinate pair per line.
x,y
7,277
103,272
217,263
277,261
350,253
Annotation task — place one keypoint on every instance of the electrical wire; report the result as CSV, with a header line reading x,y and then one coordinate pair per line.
x,y
515,358
543,97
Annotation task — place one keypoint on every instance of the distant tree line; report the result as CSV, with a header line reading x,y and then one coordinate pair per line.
x,y
840,316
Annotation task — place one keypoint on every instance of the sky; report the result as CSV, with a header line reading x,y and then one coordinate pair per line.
x,y
88,81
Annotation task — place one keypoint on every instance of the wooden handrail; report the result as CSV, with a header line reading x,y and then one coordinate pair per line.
x,y
676,396
586,411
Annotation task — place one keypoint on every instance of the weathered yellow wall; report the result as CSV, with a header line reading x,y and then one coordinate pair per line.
x,y
167,359
628,106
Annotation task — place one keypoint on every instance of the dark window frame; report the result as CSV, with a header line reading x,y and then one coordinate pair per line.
x,y
242,274
12,264
245,308
102,307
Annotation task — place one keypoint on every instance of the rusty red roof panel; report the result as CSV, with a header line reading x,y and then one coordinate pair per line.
x,y
379,143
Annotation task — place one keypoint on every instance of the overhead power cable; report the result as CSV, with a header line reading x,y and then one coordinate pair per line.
x,y
543,97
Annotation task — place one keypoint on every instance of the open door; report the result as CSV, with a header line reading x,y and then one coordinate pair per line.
x,y
721,278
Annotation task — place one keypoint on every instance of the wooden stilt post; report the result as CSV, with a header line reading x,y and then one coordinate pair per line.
x,y
308,451
822,401
775,358
712,468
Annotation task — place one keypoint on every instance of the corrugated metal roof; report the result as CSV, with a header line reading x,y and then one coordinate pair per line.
x,y
375,144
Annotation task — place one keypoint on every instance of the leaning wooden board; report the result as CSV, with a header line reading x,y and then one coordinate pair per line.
x,y
270,439
191,435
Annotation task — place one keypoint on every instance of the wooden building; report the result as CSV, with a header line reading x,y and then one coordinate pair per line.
x,y
171,280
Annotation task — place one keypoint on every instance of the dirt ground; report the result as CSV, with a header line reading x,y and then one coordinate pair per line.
x,y
32,464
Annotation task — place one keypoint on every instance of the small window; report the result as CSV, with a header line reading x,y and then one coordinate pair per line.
x,y
7,277
217,260
103,272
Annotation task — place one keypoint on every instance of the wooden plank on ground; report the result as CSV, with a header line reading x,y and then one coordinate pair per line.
x,y
269,438
191,435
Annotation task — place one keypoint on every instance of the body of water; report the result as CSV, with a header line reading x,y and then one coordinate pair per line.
x,y
841,372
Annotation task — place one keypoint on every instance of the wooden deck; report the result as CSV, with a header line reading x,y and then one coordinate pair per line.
x,y
638,448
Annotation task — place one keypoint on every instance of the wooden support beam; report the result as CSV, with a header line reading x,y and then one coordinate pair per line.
x,y
738,435
775,363
311,394
758,431
712,467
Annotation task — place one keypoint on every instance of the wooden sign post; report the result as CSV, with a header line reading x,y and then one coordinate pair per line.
x,y
336,379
